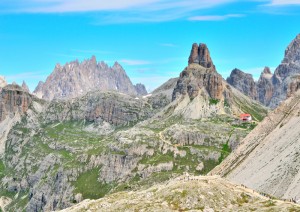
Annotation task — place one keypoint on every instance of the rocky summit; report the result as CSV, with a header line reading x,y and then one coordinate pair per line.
x,y
201,91
243,82
76,79
271,89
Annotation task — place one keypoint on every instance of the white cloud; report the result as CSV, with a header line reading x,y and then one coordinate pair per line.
x,y
284,2
59,6
214,17
134,62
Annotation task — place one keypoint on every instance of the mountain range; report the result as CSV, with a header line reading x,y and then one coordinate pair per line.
x,y
77,79
272,89
88,133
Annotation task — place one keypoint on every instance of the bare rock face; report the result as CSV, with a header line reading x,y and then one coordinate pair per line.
x,y
243,82
141,89
13,99
76,79
200,55
199,74
111,107
265,86
25,87
267,159
286,76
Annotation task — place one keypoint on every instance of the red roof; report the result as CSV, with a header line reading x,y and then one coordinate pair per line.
x,y
245,116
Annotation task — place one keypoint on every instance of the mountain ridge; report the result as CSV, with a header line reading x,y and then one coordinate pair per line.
x,y
76,79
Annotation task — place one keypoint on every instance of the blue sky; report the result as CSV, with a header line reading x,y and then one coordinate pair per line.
x,y
151,39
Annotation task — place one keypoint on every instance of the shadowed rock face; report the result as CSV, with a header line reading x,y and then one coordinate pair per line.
x,y
76,79
13,99
200,55
141,89
243,82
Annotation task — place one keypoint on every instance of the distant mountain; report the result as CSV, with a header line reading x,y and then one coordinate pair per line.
x,y
25,87
243,82
76,79
271,89
267,160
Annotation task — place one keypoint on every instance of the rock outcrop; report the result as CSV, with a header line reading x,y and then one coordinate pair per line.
x,y
76,79
141,89
200,55
265,86
243,82
25,87
111,107
200,74
274,88
13,99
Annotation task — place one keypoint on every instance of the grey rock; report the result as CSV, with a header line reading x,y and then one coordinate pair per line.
x,y
76,79
141,89
243,82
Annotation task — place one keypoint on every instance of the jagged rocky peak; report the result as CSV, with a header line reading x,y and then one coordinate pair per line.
x,y
244,82
76,79
13,99
292,53
200,55
141,89
2,82
25,87
200,75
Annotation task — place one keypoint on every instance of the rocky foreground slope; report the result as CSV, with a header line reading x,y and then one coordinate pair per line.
x,y
271,89
75,79
267,160
187,193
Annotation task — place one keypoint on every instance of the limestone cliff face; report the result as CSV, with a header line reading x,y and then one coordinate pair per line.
x,y
111,107
265,87
243,82
200,55
286,76
13,99
76,79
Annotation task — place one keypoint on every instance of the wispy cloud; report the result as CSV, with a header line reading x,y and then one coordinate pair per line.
x,y
168,45
215,17
51,6
116,11
284,2
134,62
